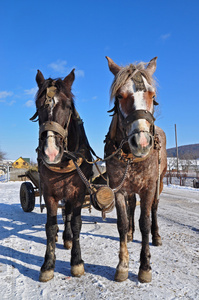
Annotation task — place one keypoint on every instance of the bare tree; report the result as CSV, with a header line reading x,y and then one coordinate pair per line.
x,y
2,155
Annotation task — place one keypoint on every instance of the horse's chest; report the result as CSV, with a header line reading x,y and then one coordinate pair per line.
x,y
60,186
138,177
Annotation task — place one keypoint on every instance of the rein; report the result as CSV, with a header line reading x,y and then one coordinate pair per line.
x,y
76,158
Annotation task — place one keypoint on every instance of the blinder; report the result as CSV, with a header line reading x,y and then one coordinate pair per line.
x,y
34,117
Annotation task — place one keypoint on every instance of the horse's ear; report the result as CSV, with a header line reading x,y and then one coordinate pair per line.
x,y
152,66
39,78
112,66
68,80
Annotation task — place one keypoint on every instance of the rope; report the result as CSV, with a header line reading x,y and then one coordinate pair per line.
x,y
158,183
100,172
98,158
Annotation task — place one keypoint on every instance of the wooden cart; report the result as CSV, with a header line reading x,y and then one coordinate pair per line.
x,y
30,190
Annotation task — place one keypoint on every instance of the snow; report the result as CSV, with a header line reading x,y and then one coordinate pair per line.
x,y
175,265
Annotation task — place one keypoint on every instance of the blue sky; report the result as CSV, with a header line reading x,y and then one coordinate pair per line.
x,y
56,36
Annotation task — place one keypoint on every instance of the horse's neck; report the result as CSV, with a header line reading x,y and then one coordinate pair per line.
x,y
76,137
73,136
116,134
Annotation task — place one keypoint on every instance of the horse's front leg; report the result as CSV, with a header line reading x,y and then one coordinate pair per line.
x,y
67,234
131,211
47,269
156,238
145,274
77,264
122,224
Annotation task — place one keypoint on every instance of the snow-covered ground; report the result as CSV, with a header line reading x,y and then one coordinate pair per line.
x,y
175,265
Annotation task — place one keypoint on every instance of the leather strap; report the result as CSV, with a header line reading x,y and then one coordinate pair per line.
x,y
53,126
136,115
69,168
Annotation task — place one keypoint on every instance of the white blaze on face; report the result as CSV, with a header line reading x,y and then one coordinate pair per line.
x,y
51,149
139,104
54,102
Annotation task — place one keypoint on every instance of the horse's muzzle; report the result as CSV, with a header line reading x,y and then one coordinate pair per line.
x,y
52,152
140,143
53,158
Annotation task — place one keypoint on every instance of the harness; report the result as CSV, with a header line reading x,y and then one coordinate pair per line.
x,y
118,153
76,159
62,131
136,77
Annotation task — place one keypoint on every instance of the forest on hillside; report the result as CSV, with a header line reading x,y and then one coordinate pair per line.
x,y
185,152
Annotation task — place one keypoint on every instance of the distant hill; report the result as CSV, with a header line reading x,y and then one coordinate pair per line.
x,y
185,152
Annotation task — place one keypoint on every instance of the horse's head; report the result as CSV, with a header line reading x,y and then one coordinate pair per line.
x,y
54,104
134,92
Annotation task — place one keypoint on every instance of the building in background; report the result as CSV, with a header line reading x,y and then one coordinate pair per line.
x,y
21,163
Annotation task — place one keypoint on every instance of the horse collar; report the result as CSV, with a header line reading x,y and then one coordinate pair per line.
x,y
64,170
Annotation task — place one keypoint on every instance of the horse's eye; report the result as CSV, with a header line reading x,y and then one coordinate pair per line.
x,y
119,97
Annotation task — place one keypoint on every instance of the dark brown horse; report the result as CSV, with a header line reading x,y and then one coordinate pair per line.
x,y
61,135
141,163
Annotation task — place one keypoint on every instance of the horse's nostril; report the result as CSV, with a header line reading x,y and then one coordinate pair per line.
x,y
133,141
150,141
43,135
141,140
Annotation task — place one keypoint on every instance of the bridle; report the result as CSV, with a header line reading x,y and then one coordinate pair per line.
x,y
137,115
138,81
51,125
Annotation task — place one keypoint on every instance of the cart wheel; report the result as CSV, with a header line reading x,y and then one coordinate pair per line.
x,y
27,196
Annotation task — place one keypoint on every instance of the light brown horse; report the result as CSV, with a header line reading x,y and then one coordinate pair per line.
x,y
141,163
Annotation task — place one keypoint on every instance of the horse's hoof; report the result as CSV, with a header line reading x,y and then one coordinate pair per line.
x,y
144,276
78,270
157,241
68,245
121,275
46,275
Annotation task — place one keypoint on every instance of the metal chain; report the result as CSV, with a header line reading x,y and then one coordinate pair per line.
x,y
91,188
84,179
124,178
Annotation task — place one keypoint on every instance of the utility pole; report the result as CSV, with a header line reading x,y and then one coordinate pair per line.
x,y
8,173
176,149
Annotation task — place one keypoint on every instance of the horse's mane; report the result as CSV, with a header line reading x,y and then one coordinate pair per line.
x,y
126,73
